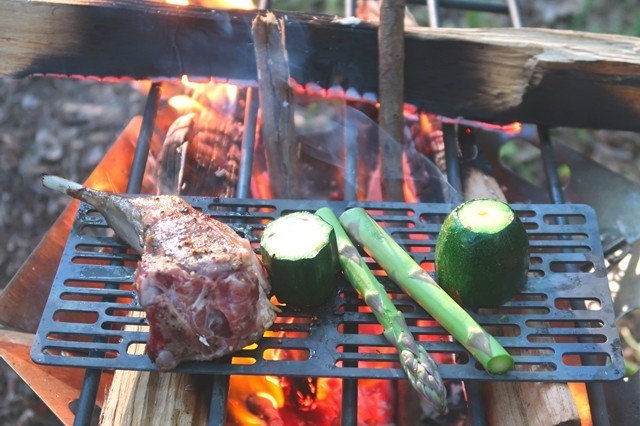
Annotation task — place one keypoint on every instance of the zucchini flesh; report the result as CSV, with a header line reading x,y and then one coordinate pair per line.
x,y
300,252
482,254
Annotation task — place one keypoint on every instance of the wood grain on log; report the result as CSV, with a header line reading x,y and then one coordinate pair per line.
x,y
557,77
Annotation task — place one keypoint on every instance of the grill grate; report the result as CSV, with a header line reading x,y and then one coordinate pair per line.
x,y
92,298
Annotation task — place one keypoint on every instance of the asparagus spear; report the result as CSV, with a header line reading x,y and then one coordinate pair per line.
x,y
419,367
418,284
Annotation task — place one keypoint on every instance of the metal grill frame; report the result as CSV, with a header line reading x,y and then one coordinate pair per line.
x,y
323,336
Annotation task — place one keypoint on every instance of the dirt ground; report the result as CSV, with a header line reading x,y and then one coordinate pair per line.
x,y
64,127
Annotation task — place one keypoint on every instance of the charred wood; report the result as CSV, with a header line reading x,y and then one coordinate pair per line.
x,y
201,155
172,156
262,408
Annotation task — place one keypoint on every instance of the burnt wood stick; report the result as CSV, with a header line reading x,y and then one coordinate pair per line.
x,y
276,105
391,83
548,77
517,403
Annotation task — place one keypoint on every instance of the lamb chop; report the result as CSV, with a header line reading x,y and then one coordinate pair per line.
x,y
201,285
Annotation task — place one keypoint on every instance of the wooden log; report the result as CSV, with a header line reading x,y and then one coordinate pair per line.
x,y
150,398
276,105
549,77
391,78
200,155
518,403
172,157
147,398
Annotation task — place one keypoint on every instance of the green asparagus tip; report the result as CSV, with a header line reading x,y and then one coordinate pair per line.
x,y
500,364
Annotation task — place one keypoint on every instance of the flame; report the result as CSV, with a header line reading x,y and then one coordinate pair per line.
x,y
242,387
188,83
408,186
580,398
184,104
215,4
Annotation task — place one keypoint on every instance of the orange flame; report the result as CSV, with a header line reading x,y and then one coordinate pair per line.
x,y
580,398
242,387
215,4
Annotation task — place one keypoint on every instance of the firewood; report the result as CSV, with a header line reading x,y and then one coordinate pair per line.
x,y
518,403
148,398
263,408
276,105
532,75
200,155
170,167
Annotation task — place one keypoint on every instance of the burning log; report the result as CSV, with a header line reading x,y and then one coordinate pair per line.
x,y
276,100
518,403
172,157
200,156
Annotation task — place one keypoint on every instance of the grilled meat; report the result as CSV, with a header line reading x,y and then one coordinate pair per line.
x,y
202,287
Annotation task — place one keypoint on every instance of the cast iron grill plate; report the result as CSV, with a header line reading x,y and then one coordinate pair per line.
x,y
89,318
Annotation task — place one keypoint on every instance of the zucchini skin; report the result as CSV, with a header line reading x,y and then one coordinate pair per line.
x,y
481,270
304,279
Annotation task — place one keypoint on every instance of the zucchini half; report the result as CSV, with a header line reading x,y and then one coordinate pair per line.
x,y
482,254
301,254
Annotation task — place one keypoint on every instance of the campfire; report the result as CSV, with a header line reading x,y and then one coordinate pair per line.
x,y
309,136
